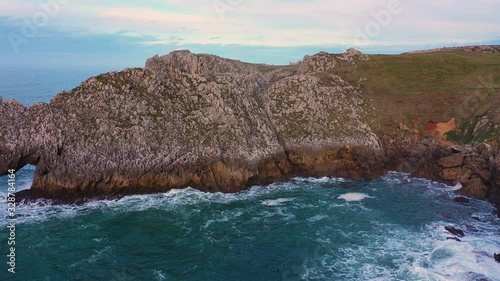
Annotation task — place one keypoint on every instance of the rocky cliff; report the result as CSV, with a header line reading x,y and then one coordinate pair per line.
x,y
222,125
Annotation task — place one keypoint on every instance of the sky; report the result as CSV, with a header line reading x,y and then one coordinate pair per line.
x,y
124,33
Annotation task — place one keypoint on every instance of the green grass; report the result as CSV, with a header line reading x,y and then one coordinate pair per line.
x,y
429,87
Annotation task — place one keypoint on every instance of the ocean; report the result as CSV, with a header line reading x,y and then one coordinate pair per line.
x,y
391,228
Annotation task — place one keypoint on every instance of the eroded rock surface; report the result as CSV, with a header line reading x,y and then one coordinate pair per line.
x,y
190,120
222,125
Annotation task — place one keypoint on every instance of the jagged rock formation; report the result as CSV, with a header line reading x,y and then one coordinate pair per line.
x,y
188,120
223,125
475,167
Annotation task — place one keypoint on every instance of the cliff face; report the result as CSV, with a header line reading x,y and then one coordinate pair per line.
x,y
475,167
213,124
188,120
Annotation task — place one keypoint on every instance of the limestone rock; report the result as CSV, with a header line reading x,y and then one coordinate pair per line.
x,y
319,62
217,124
454,160
456,174
474,188
191,120
351,55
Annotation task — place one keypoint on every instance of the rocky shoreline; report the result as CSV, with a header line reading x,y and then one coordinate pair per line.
x,y
221,125
475,168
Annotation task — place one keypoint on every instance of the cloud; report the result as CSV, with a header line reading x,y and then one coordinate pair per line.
x,y
289,25
273,22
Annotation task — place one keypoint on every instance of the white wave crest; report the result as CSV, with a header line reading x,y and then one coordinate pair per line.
x,y
277,202
354,196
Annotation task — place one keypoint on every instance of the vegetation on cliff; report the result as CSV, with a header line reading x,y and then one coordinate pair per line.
x,y
221,125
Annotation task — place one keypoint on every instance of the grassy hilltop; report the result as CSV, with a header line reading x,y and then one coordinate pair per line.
x,y
433,86
407,91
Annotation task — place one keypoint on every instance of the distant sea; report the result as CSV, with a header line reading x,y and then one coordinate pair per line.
x,y
33,84
391,228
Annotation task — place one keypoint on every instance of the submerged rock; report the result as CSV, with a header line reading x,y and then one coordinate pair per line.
x,y
462,200
497,257
455,231
473,276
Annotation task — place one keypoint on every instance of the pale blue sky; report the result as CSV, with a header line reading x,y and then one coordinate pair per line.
x,y
126,32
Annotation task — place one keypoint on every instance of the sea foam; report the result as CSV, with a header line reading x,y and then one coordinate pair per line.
x,y
277,202
354,196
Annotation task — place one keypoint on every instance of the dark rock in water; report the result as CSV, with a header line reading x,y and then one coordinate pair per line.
x,y
473,276
454,231
454,238
476,218
462,200
497,257
474,188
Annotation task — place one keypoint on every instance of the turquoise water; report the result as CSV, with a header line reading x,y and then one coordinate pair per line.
x,y
306,229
